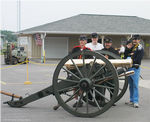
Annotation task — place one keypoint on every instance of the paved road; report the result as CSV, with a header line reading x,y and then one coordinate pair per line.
x,y
12,80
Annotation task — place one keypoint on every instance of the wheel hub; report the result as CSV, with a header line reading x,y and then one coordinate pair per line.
x,y
85,84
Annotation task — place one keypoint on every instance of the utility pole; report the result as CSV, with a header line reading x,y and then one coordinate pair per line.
x,y
18,15
18,19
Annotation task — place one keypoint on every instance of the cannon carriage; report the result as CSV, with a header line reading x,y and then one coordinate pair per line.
x,y
93,80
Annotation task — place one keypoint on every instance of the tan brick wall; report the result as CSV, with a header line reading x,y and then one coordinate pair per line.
x,y
73,41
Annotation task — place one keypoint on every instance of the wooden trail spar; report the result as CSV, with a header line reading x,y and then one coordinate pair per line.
x,y
115,62
10,94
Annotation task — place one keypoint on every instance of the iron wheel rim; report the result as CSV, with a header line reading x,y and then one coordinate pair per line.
x,y
69,108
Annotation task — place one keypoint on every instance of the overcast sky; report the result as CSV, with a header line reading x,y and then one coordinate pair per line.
x,y
37,12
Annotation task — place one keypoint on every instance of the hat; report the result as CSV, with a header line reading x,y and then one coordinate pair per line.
x,y
136,37
129,41
107,40
94,35
82,37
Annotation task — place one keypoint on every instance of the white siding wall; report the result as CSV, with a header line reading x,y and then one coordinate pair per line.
x,y
29,46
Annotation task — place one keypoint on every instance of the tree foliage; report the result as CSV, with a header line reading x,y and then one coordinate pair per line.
x,y
9,35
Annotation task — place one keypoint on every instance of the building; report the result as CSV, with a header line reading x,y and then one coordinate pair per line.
x,y
57,38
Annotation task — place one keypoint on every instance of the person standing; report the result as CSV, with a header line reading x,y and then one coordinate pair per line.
x,y
136,53
94,45
108,47
80,47
121,51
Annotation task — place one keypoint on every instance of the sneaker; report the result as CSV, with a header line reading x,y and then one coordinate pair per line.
x,y
136,105
76,104
129,103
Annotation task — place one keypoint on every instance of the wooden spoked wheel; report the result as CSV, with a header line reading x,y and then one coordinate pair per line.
x,y
86,81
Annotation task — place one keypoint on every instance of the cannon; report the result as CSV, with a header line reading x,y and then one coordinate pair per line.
x,y
93,80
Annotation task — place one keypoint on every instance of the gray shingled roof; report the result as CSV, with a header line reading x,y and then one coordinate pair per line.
x,y
102,24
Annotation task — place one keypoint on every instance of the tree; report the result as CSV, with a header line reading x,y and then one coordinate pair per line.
x,y
9,35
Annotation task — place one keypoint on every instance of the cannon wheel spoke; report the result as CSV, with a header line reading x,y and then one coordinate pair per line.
x,y
68,80
95,101
77,68
98,71
101,95
110,91
71,73
67,89
120,89
79,100
110,84
72,96
102,86
87,107
84,65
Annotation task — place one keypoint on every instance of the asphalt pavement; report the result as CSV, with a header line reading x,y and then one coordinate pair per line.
x,y
13,78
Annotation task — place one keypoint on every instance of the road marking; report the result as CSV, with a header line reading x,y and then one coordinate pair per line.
x,y
145,67
48,75
27,63
11,66
42,64
2,82
40,82
32,83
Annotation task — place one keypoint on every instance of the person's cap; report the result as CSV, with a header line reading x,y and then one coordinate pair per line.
x,y
136,37
94,35
129,41
107,40
82,37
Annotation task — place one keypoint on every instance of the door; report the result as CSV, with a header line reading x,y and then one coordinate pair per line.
x,y
56,47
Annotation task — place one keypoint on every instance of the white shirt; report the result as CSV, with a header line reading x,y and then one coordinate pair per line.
x,y
122,49
98,46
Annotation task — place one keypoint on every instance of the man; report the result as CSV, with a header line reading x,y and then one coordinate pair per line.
x,y
94,45
108,47
136,53
80,47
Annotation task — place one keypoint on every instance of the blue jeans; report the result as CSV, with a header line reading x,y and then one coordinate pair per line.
x,y
133,81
